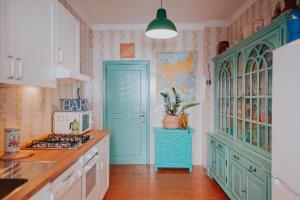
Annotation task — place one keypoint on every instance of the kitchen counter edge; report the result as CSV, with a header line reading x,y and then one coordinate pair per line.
x,y
64,159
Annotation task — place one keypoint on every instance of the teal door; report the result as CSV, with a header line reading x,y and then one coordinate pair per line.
x,y
126,110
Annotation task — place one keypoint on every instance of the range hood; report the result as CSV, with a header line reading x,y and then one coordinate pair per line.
x,y
66,75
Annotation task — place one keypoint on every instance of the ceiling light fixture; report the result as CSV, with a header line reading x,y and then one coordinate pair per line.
x,y
161,27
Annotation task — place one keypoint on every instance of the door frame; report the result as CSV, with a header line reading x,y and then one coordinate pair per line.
x,y
146,63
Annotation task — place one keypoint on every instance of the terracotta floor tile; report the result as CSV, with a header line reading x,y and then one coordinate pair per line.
x,y
140,182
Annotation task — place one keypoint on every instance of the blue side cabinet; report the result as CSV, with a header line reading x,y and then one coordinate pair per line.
x,y
173,148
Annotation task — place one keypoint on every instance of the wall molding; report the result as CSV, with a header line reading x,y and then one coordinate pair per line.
x,y
84,16
180,26
216,23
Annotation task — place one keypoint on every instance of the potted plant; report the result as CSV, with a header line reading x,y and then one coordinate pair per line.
x,y
172,118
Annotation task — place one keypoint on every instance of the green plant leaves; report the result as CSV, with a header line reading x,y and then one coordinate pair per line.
x,y
171,108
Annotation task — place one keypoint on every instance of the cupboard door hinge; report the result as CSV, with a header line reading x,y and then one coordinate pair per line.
x,y
226,162
226,179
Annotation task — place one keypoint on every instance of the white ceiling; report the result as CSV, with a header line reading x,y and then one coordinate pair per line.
x,y
143,11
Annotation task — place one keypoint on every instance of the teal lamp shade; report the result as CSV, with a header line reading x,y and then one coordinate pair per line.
x,y
161,27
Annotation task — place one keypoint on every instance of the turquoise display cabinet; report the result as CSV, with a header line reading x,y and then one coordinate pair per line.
x,y
173,148
240,148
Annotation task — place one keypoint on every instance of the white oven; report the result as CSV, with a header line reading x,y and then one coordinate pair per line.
x,y
64,122
90,175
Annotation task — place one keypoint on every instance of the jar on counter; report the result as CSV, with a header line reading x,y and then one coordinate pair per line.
x,y
11,140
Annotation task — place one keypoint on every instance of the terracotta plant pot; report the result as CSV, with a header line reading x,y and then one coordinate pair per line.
x,y
171,122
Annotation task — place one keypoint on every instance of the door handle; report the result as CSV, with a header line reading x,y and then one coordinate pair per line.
x,y
143,115
19,69
11,72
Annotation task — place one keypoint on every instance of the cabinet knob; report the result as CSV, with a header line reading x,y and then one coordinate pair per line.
x,y
251,169
236,157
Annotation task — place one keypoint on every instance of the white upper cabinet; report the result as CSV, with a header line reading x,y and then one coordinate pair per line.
x,y
68,40
27,39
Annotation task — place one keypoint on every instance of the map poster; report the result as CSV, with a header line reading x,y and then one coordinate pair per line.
x,y
177,70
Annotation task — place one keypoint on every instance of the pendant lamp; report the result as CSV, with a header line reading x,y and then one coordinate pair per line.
x,y
161,27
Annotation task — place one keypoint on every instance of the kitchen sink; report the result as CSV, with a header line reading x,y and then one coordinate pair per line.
x,y
7,185
13,174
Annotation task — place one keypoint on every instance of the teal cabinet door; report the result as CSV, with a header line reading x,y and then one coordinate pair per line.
x,y
173,148
221,165
126,112
255,188
237,181
213,157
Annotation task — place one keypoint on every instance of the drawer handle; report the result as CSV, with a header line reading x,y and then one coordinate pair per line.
x,y
252,169
11,67
220,146
236,157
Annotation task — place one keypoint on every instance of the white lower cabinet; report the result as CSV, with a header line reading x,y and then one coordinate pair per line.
x,y
68,185
42,194
87,179
103,147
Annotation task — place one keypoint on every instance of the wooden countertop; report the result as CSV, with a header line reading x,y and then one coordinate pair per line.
x,y
64,159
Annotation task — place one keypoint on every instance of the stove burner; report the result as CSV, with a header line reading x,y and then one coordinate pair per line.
x,y
59,141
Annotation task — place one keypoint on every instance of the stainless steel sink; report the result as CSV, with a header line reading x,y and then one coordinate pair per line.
x,y
9,185
13,174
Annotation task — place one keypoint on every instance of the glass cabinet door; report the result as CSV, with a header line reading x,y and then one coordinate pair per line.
x,y
240,97
258,98
226,99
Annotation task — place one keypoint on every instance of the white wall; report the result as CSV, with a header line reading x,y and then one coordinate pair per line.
x,y
107,47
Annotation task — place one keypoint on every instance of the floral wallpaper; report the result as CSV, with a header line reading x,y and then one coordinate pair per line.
x,y
107,47
30,108
259,10
212,36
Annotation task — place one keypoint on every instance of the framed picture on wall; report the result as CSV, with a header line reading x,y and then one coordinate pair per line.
x,y
127,50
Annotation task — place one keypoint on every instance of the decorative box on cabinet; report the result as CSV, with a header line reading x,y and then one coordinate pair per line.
x,y
173,148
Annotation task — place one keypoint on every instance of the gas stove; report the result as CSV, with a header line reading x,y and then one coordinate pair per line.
x,y
59,141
